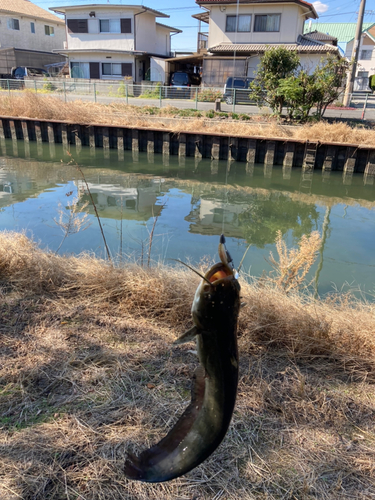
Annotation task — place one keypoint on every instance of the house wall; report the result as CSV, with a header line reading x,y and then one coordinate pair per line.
x,y
291,24
310,61
96,40
163,41
24,39
149,37
145,32
104,58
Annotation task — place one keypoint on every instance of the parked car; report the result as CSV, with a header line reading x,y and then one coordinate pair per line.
x,y
15,79
240,86
20,72
181,83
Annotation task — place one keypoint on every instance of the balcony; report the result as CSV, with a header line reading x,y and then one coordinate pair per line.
x,y
202,42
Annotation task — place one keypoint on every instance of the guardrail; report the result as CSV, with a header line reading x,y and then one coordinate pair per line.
x,y
153,94
114,89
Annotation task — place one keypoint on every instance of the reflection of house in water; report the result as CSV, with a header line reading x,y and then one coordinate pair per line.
x,y
209,215
17,185
116,202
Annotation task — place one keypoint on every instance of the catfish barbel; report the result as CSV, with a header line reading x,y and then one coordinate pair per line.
x,y
203,425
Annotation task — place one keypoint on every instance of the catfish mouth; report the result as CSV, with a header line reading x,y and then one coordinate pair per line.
x,y
219,272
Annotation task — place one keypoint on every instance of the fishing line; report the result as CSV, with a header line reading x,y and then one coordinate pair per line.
x,y
225,195
229,145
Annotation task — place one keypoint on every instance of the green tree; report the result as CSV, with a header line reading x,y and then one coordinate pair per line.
x,y
299,93
329,78
302,92
276,64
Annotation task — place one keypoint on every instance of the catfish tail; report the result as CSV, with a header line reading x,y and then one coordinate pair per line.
x,y
133,469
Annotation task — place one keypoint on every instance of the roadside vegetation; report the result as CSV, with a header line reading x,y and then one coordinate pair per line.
x,y
29,104
282,82
88,371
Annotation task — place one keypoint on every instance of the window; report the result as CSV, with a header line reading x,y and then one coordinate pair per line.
x,y
13,24
111,69
32,27
49,30
77,25
110,26
366,55
80,70
126,25
240,24
270,22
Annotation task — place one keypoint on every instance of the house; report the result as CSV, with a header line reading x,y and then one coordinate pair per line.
x,y
345,32
240,32
366,58
322,37
28,35
110,42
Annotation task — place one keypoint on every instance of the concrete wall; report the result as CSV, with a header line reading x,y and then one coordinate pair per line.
x,y
291,24
24,39
157,70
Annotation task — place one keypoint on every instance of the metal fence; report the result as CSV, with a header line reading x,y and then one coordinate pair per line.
x,y
157,95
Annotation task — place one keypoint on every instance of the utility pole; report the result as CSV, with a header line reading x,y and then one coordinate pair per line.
x,y
355,54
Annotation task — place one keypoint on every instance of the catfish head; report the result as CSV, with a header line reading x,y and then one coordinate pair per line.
x,y
217,298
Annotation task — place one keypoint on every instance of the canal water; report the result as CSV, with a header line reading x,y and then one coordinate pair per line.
x,y
186,203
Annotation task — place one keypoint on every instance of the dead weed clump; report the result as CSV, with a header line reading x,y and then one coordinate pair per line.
x,y
88,371
293,265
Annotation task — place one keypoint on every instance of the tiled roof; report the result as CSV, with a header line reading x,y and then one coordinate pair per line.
x,y
304,45
318,35
344,32
26,8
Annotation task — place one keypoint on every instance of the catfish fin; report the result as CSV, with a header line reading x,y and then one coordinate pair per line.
x,y
187,336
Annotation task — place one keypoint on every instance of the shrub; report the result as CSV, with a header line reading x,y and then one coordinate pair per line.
x,y
209,95
121,91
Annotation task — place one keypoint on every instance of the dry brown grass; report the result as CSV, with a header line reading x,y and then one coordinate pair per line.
x,y
32,105
290,270
87,370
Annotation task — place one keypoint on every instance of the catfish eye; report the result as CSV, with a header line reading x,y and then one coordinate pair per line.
x,y
206,288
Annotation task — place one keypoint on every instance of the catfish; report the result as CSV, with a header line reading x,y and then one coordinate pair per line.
x,y
203,425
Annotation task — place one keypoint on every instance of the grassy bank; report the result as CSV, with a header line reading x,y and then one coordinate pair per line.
x,y
88,370
29,104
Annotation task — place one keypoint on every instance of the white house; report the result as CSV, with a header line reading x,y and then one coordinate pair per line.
x,y
239,33
108,41
28,35
366,59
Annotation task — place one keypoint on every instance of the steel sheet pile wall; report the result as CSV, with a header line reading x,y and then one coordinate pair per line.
x,y
287,153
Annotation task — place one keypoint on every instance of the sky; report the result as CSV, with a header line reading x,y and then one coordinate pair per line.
x,y
180,12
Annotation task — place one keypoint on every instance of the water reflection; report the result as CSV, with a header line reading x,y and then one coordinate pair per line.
x,y
195,200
